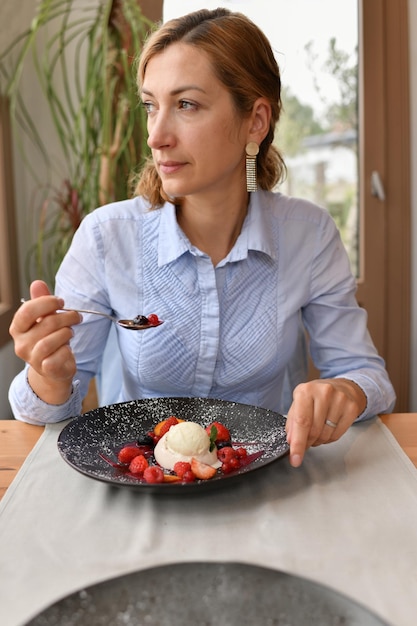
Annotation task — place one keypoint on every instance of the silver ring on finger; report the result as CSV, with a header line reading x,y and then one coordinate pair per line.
x,y
331,424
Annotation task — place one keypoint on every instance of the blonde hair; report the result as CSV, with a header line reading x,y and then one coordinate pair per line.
x,y
243,61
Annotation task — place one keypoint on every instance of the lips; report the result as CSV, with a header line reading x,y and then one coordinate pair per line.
x,y
170,167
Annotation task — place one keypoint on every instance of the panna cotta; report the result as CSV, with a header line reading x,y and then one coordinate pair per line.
x,y
183,442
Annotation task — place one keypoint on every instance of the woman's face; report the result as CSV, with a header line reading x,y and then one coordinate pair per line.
x,y
195,133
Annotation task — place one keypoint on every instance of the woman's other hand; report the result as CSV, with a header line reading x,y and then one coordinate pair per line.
x,y
41,336
321,412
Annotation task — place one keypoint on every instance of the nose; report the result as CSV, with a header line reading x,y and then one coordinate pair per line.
x,y
160,131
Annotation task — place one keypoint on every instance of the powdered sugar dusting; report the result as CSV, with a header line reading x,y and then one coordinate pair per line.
x,y
106,429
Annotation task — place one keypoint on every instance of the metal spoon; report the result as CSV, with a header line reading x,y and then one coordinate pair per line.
x,y
130,324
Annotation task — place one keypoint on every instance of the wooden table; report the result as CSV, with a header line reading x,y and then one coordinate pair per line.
x,y
17,439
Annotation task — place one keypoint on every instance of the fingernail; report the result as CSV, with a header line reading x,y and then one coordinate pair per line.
x,y
296,460
60,302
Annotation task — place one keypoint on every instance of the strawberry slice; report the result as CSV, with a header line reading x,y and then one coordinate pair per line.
x,y
202,470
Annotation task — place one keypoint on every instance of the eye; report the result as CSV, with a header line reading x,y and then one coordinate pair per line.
x,y
148,106
186,105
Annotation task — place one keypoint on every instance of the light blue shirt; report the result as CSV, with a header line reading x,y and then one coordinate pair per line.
x,y
233,331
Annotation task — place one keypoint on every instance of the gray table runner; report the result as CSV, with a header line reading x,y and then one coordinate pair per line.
x,y
347,519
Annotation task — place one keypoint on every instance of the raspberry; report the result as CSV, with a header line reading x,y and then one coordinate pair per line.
x,y
188,477
231,465
227,468
153,319
153,474
127,453
138,465
234,463
242,453
225,454
181,467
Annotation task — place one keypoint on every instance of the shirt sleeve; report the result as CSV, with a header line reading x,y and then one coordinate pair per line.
x,y
340,344
28,407
76,279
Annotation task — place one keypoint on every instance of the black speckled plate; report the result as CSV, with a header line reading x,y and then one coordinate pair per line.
x,y
105,430
207,594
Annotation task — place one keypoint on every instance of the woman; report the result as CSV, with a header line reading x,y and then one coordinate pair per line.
x,y
233,272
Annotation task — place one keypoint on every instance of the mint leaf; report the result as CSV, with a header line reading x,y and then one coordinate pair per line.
x,y
213,435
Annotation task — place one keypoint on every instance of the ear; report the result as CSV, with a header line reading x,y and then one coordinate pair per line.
x,y
260,119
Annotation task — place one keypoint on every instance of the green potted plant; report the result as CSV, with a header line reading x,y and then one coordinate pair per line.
x,y
84,56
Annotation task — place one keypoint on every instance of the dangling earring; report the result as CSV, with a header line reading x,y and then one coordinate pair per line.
x,y
252,150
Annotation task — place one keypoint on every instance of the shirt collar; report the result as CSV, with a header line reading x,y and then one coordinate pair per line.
x,y
172,241
257,233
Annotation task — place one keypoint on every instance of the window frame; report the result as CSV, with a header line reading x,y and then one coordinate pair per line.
x,y
398,184
387,149
9,273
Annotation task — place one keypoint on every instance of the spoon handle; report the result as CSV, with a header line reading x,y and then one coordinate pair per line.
x,y
113,319
92,312
130,324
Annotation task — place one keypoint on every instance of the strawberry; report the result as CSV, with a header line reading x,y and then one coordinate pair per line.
x,y
153,474
138,465
223,434
127,453
202,470
171,421
163,427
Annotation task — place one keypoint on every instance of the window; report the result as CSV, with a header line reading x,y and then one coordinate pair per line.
x,y
378,237
9,283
